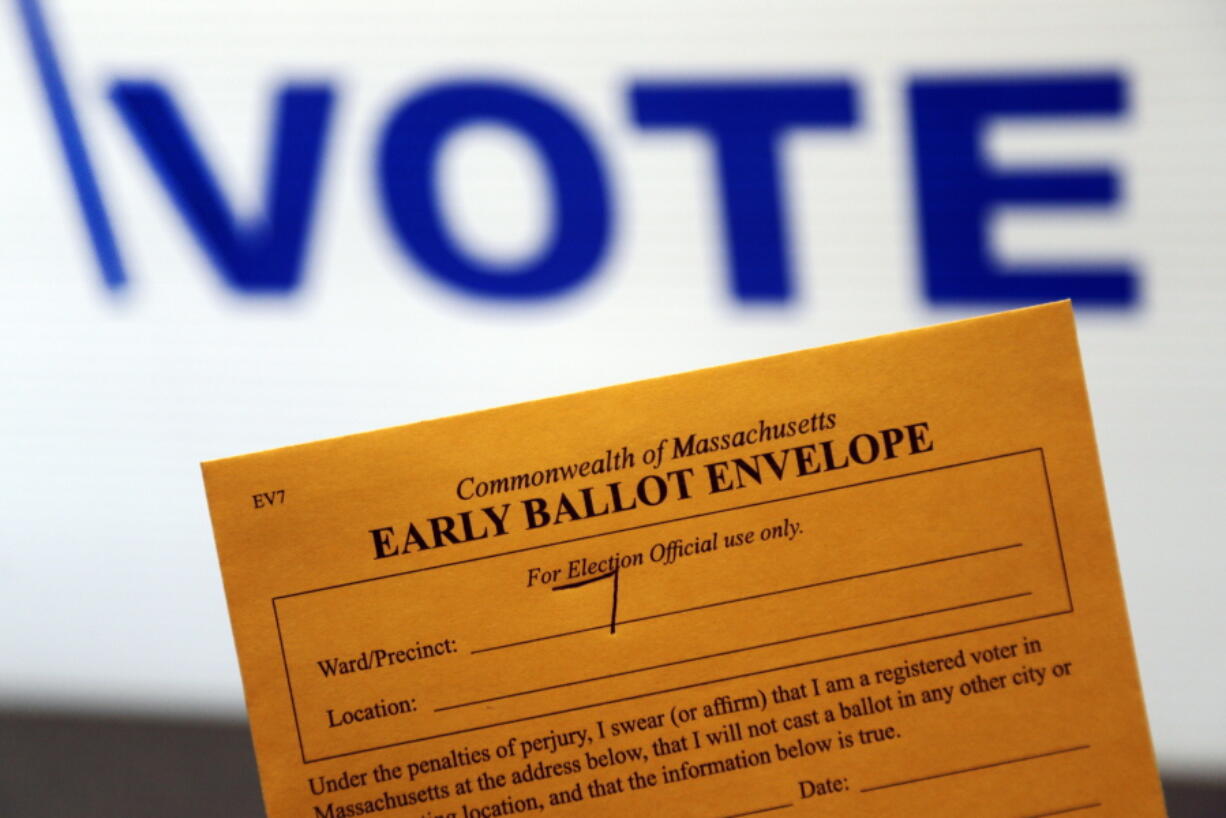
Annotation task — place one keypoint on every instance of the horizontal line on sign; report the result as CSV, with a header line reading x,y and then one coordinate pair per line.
x,y
758,811
732,651
762,595
977,768
1064,811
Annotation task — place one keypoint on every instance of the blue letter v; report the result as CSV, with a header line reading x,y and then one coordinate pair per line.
x,y
264,256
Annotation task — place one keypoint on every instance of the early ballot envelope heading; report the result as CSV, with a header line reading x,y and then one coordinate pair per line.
x,y
667,485
875,578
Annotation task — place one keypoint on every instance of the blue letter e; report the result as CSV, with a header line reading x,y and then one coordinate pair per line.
x,y
957,190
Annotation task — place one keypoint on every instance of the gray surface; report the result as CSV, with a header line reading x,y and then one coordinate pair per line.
x,y
64,766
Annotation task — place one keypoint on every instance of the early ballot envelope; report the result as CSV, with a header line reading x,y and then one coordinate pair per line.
x,y
871,579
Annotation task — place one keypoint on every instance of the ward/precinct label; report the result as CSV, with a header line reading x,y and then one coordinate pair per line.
x,y
875,578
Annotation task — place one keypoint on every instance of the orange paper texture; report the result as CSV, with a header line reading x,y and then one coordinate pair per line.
x,y
871,579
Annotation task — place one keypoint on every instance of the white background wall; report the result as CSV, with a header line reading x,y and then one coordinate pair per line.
x,y
110,595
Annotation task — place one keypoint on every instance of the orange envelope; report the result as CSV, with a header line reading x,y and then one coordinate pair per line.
x,y
872,579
